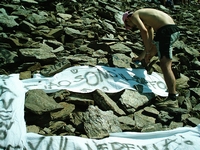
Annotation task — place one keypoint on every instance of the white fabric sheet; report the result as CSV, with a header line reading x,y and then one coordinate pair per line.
x,y
12,124
85,79
13,134
184,138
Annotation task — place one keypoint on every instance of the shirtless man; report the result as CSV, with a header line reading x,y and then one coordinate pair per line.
x,y
148,21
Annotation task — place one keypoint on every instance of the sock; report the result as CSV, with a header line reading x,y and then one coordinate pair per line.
x,y
172,96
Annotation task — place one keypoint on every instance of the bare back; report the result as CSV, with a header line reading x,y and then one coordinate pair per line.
x,y
153,18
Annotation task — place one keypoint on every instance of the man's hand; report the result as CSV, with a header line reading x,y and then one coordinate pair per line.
x,y
140,57
147,57
149,54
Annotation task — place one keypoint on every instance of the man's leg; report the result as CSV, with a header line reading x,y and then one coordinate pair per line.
x,y
170,80
165,64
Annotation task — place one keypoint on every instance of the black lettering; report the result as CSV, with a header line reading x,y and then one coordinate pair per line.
x,y
3,134
119,146
4,89
88,146
74,71
88,79
61,142
6,126
123,77
155,147
50,85
59,64
86,90
4,78
31,146
80,77
168,142
6,105
112,74
50,143
27,86
65,144
5,117
153,84
102,146
64,83
161,85
104,88
142,147
188,142
10,147
104,74
46,70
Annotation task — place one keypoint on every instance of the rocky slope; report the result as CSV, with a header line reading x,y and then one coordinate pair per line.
x,y
41,36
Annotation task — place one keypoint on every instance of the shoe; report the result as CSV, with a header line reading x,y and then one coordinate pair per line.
x,y
168,103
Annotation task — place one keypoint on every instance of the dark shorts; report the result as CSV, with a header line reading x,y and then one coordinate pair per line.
x,y
164,39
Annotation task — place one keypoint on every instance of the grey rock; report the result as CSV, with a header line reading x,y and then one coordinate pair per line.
x,y
38,19
25,75
7,20
80,101
126,123
108,26
33,128
195,92
182,82
164,117
142,121
77,119
197,107
195,64
151,111
153,128
106,103
174,125
99,53
72,32
132,100
56,32
40,54
64,113
98,124
85,49
7,57
191,51
30,1
39,102
82,59
120,48
121,60
59,66
26,26
193,121
60,9
57,126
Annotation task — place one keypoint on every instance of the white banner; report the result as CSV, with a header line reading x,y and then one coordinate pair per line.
x,y
13,134
184,138
12,124
85,79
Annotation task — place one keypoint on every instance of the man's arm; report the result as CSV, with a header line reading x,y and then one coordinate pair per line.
x,y
145,33
152,51
151,34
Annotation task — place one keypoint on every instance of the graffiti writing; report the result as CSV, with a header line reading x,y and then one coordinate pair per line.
x,y
87,80
64,143
7,98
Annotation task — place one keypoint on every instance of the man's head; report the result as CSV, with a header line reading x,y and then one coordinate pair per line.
x,y
125,19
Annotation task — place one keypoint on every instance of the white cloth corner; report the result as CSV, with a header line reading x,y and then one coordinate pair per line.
x,y
12,123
